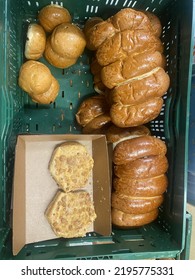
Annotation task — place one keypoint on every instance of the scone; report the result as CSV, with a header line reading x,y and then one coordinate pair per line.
x,y
71,214
70,166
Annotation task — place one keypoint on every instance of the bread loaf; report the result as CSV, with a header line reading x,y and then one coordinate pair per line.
x,y
155,22
71,214
35,41
124,43
95,125
124,220
70,166
52,15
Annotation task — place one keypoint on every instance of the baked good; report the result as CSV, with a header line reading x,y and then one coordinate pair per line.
x,y
91,108
135,205
49,96
35,41
71,165
89,24
146,167
139,147
124,220
55,59
115,134
68,40
139,187
124,43
96,124
136,114
71,214
133,66
37,81
155,22
139,89
52,15
125,19
34,77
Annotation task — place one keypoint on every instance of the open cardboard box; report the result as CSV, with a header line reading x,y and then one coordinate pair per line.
x,y
34,187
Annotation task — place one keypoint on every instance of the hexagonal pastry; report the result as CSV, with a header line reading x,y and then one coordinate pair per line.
x,y
70,165
71,214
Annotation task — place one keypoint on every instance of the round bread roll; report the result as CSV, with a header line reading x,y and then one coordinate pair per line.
x,y
115,134
56,60
135,205
141,187
146,167
70,166
124,220
35,77
49,96
35,41
136,148
136,114
68,40
91,108
97,123
52,15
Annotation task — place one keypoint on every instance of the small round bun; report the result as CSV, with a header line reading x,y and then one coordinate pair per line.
x,y
35,77
124,220
68,40
52,15
35,41
49,96
56,60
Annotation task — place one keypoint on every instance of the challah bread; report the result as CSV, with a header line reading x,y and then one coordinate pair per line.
x,y
124,220
153,84
155,22
55,59
146,167
52,15
136,148
124,43
125,19
135,205
35,41
135,115
134,65
89,25
140,187
96,124
68,40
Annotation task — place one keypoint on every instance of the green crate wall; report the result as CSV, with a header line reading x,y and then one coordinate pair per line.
x,y
163,238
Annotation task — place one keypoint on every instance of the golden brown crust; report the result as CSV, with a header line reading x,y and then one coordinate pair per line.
x,y
56,60
71,165
97,124
135,205
125,220
68,40
146,167
154,84
133,66
52,15
115,134
90,108
141,187
35,41
155,23
136,148
124,43
138,114
71,214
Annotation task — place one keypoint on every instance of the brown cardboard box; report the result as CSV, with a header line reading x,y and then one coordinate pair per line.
x,y
34,187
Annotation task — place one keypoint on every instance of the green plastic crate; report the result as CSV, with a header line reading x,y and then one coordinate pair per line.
x,y
18,115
